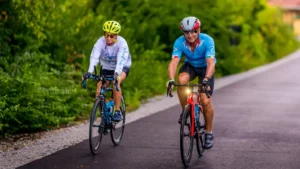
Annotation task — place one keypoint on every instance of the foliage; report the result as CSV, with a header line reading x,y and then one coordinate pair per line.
x,y
46,44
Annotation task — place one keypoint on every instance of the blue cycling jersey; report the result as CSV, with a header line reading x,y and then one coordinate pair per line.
x,y
204,49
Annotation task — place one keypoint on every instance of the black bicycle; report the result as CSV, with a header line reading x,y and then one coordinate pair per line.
x,y
101,116
193,121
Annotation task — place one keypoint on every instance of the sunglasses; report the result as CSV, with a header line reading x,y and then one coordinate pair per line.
x,y
110,35
190,32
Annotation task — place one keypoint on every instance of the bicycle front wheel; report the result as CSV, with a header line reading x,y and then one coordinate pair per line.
x,y
186,140
200,136
117,130
96,127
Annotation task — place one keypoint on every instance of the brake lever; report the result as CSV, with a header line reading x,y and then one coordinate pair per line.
x,y
116,85
169,91
170,94
83,83
207,94
206,91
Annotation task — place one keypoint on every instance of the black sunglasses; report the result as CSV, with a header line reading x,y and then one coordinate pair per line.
x,y
190,32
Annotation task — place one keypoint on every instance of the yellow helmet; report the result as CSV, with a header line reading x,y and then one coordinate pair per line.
x,y
112,27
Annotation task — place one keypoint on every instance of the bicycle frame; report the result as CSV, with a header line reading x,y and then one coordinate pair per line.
x,y
102,95
103,90
194,125
191,101
105,114
106,111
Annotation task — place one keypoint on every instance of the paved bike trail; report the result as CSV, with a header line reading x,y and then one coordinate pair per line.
x,y
256,125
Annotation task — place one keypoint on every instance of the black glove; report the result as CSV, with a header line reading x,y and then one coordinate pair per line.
x,y
206,84
86,75
116,76
169,86
170,83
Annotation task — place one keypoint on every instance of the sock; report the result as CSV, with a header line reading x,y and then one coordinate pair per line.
x,y
209,132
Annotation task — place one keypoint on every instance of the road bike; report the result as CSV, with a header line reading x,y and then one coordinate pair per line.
x,y
101,116
193,120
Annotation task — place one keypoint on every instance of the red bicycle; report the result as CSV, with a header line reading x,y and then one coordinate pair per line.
x,y
192,120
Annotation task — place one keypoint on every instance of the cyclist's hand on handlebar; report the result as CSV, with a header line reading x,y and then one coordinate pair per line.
x,y
170,83
117,80
86,75
206,84
117,76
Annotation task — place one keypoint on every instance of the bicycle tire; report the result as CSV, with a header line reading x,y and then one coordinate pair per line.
x,y
186,158
115,137
95,139
200,136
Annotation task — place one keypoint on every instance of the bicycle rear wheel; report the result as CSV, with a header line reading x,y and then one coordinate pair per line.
x,y
117,130
200,136
186,140
96,127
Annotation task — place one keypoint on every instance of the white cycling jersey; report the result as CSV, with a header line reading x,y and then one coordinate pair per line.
x,y
113,57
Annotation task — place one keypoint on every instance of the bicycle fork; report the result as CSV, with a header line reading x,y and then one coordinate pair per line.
x,y
192,129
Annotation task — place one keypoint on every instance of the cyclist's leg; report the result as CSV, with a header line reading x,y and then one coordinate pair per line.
x,y
207,104
118,94
186,74
207,108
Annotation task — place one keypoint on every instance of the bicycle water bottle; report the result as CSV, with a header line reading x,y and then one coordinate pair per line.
x,y
197,112
107,106
197,116
109,109
111,106
195,98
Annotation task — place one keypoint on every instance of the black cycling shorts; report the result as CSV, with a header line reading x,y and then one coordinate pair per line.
x,y
104,72
197,72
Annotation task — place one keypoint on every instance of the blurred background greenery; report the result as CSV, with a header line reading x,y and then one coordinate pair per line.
x,y
45,47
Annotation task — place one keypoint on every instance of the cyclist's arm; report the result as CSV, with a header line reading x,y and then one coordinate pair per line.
x,y
95,55
122,57
173,67
210,58
210,70
176,55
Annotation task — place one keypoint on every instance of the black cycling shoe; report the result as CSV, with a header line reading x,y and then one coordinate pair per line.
x,y
208,141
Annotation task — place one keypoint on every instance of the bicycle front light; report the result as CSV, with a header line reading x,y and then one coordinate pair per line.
x,y
188,91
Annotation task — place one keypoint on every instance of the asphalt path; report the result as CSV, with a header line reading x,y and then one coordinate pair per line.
x,y
256,125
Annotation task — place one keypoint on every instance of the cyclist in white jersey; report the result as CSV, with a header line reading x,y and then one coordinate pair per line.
x,y
199,51
113,53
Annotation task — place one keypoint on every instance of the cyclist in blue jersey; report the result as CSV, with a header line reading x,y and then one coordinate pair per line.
x,y
200,60
113,53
